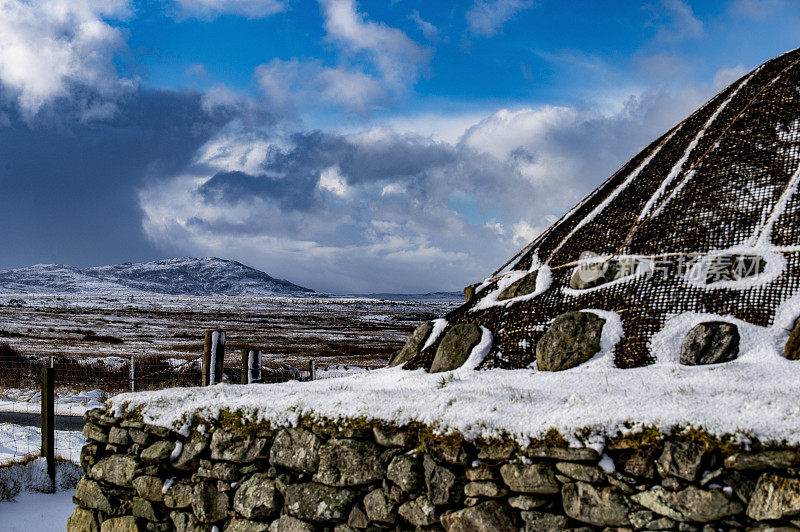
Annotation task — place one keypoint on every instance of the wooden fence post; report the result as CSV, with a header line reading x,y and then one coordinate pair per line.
x,y
133,376
251,366
312,370
213,357
48,425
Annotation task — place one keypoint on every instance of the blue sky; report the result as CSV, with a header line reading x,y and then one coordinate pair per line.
x,y
347,146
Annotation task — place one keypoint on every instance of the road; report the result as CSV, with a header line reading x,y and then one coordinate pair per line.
x,y
35,420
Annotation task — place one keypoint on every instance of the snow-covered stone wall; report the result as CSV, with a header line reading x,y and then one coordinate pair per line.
x,y
234,476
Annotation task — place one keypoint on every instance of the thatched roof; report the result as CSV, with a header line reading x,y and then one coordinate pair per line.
x,y
704,220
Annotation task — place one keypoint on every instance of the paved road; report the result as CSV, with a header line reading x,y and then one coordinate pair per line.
x,y
35,420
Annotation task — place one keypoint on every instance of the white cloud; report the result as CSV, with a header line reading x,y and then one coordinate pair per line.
x,y
377,63
289,85
755,9
210,9
677,21
397,58
373,210
49,47
331,180
429,31
486,17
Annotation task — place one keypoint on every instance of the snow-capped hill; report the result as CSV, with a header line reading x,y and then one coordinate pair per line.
x,y
186,276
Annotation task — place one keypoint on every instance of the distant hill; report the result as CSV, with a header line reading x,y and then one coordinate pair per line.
x,y
187,276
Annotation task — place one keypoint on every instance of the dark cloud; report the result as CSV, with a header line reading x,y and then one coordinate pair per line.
x,y
68,186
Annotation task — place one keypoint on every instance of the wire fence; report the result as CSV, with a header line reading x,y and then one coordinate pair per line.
x,y
84,383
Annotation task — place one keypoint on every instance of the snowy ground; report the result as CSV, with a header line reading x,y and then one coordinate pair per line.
x,y
752,397
67,402
40,512
30,509
17,441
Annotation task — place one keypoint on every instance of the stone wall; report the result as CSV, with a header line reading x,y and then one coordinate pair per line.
x,y
233,477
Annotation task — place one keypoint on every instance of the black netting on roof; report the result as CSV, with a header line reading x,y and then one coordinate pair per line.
x,y
724,178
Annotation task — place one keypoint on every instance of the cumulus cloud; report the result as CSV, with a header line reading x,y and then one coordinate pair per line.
x,y
755,9
376,63
486,17
210,9
382,210
49,48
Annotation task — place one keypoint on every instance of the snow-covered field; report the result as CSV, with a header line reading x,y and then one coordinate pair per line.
x,y
753,396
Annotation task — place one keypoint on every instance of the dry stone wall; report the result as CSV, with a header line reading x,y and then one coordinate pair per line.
x,y
234,477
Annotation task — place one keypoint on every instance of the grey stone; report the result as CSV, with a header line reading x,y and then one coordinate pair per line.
x,y
379,508
484,488
496,451
178,495
357,518
455,347
83,520
149,487
152,526
792,349
582,472
763,460
489,516
146,510
681,459
405,471
451,451
638,462
711,342
118,436
224,471
394,438
482,472
469,291
443,486
639,519
601,507
159,432
345,462
287,523
116,469
236,446
186,522
120,524
208,503
412,345
296,449
543,522
567,454
89,495
419,512
139,436
158,453
89,455
536,478
665,523
95,433
318,503
572,339
243,525
522,287
689,505
775,497
598,273
190,451
526,502
257,497
673,484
